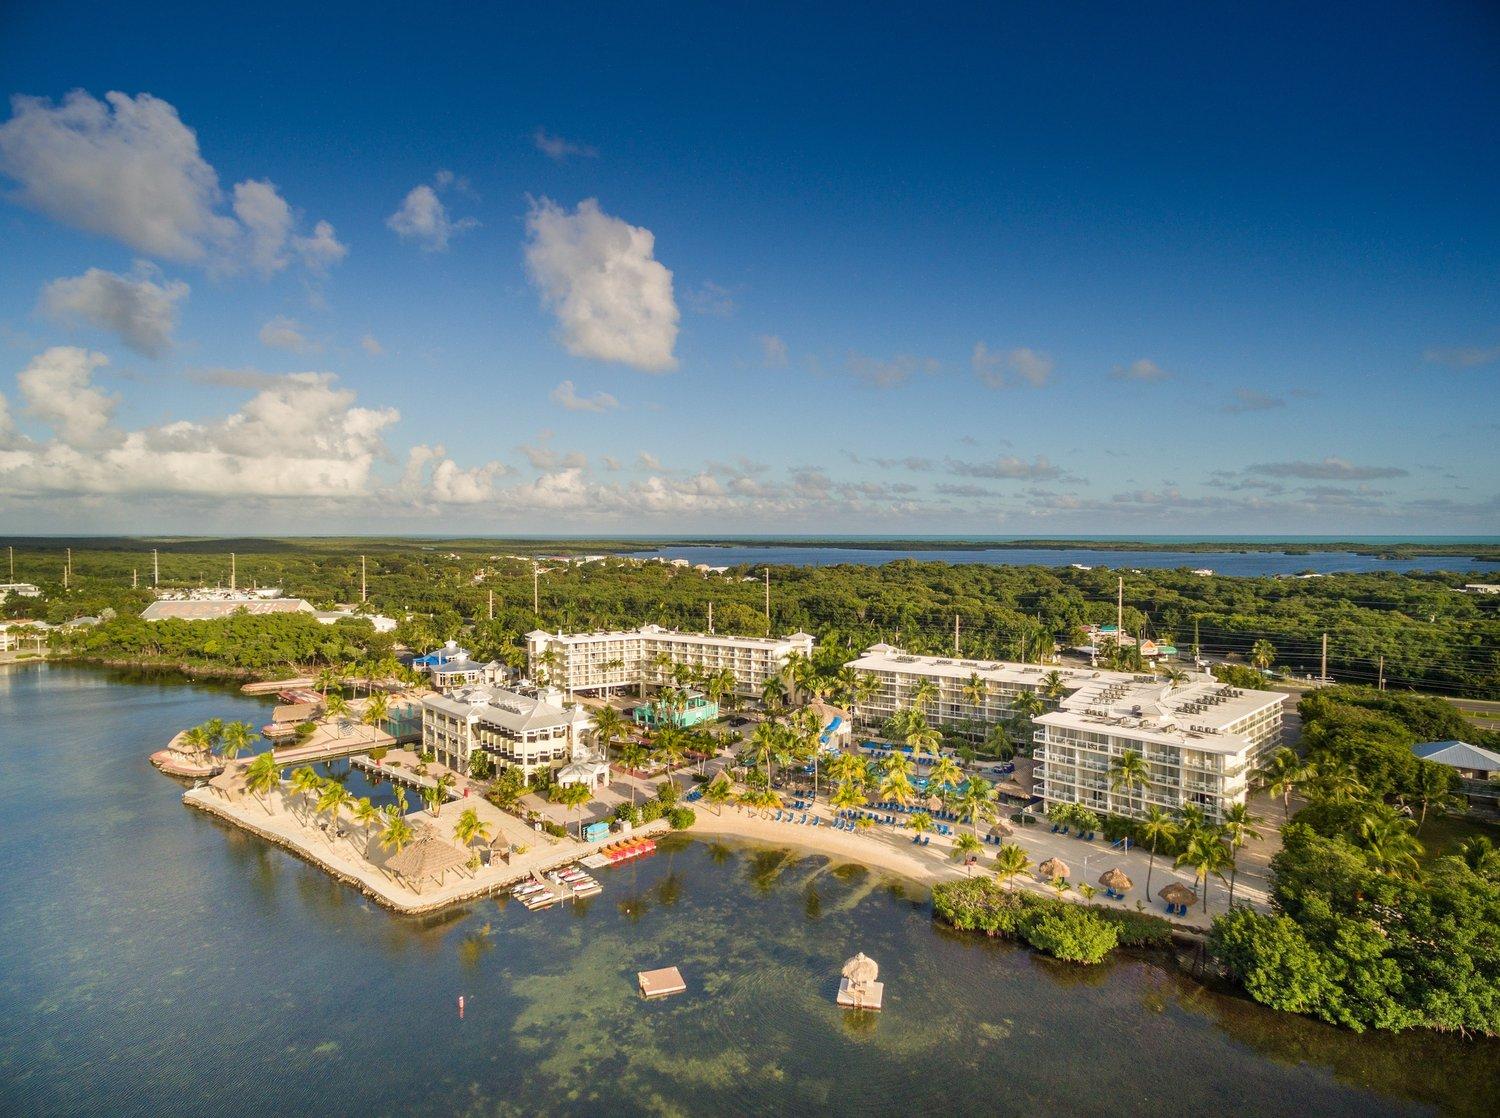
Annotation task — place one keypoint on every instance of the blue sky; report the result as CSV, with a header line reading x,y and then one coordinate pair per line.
x,y
908,270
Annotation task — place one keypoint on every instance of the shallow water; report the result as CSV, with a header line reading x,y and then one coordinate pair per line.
x,y
155,961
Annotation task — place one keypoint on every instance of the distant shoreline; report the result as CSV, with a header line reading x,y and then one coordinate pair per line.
x,y
1482,548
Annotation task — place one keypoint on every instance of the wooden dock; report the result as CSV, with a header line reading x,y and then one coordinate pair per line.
x,y
661,983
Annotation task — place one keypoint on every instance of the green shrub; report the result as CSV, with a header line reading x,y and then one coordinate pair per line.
x,y
379,753
1136,929
1070,932
651,810
681,818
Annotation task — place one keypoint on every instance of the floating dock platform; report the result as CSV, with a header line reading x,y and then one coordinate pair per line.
x,y
660,983
870,996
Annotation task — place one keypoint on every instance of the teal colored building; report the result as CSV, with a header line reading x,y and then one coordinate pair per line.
x,y
694,710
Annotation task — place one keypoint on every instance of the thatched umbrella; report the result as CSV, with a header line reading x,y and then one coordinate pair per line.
x,y
429,856
499,845
934,803
1114,878
861,971
1053,868
229,784
1001,830
1175,892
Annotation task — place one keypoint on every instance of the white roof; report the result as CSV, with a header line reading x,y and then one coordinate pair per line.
x,y
1192,716
658,632
885,658
513,711
220,607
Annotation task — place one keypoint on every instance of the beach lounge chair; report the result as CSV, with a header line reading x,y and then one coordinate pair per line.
x,y
926,840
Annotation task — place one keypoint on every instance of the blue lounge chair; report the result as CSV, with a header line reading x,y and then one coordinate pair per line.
x,y
926,840
916,840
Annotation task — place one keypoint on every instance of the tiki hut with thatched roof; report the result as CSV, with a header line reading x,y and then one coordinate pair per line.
x,y
1177,895
1001,830
934,803
1052,869
498,847
1116,881
858,988
230,784
427,858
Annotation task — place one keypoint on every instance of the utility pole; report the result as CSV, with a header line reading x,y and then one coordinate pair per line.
x,y
492,605
1120,614
1382,674
1324,677
68,570
133,573
364,596
13,564
955,634
710,619
768,601
536,590
231,572
155,569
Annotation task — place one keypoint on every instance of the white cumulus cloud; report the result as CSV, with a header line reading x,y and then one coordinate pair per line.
x,y
58,389
567,396
600,277
423,218
141,311
1002,369
286,333
129,168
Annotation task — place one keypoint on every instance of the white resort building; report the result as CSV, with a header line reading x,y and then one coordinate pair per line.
x,y
1200,740
528,729
628,658
958,706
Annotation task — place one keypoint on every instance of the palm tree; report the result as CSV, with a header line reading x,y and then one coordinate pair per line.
x,y
444,782
377,709
338,708
847,795
236,739
975,803
1282,773
668,747
920,822
263,777
765,743
773,695
924,693
1239,828
1206,855
326,678
1156,827
718,792
609,724
632,755
332,801
866,687
469,827
923,739
1432,787
573,797
1335,782
848,768
305,782
976,692
365,813
945,770
897,788
196,742
1052,685
1390,844
1129,771
397,831
1480,855
1010,862
964,845
1262,654
718,684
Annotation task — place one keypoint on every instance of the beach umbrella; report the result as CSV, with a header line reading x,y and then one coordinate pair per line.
x,y
1001,830
1054,867
1175,892
1114,878
934,803
861,970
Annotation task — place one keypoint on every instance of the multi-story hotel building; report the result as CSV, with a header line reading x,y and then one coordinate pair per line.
x,y
958,705
530,730
605,661
1200,740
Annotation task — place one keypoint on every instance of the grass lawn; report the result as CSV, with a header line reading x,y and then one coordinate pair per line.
x,y
1441,834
